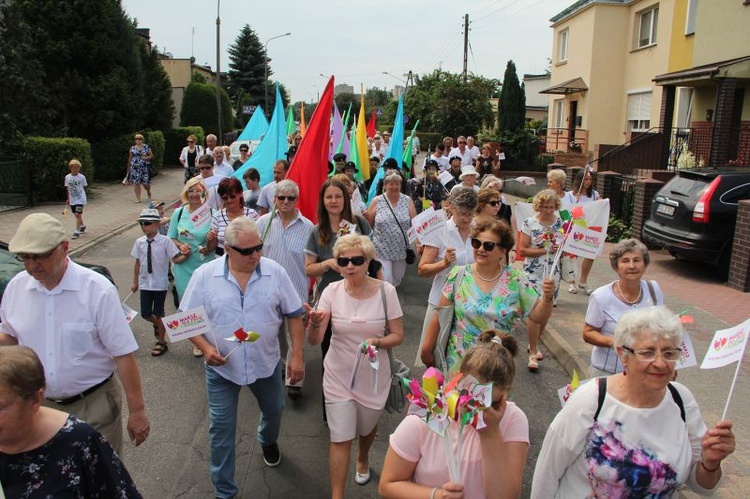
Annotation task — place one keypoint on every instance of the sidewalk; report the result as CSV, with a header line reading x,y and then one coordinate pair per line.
x,y
110,210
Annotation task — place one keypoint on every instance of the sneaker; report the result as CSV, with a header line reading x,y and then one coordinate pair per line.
x,y
197,352
533,364
572,289
585,288
271,455
75,235
82,229
294,392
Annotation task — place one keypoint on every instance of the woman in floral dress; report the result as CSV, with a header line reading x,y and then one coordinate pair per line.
x,y
490,295
139,157
540,237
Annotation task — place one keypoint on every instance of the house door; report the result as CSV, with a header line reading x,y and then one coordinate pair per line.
x,y
572,119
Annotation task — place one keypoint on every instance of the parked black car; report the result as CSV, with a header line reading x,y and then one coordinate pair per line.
x,y
694,214
9,267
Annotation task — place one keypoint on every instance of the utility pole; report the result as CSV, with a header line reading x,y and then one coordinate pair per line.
x,y
466,43
220,140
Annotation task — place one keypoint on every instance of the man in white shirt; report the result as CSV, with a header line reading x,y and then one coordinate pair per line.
x,y
72,318
462,151
440,157
245,296
473,149
210,144
266,200
221,166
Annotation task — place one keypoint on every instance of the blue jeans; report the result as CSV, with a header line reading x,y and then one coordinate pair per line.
x,y
222,431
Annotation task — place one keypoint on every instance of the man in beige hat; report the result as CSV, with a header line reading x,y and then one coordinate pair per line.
x,y
72,318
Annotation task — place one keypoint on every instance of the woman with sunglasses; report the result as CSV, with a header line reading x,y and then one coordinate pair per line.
x,y
190,239
189,157
139,159
504,211
539,240
441,255
635,433
490,295
492,459
230,192
488,202
357,375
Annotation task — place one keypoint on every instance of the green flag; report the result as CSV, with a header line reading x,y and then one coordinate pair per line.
x,y
408,158
290,126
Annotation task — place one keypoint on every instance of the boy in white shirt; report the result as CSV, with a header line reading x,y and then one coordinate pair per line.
x,y
75,184
152,253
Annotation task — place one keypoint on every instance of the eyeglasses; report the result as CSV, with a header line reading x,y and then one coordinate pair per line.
x,y
146,224
355,260
671,355
205,167
246,251
493,203
291,199
25,257
229,196
194,191
462,142
138,138
487,245
191,142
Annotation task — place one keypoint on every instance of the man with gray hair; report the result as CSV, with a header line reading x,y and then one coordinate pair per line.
x,y
210,144
246,297
284,233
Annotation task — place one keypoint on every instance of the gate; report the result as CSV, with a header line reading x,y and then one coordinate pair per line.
x,y
15,184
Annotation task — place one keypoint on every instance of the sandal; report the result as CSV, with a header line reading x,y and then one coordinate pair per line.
x,y
572,289
533,364
585,288
539,355
159,349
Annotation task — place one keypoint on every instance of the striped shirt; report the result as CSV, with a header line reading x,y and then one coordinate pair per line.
x,y
286,246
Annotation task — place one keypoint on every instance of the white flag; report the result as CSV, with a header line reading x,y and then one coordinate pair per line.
x,y
727,346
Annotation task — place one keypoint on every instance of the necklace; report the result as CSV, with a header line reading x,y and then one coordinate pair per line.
x,y
625,299
481,277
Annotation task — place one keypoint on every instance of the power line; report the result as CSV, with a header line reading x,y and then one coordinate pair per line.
x,y
495,21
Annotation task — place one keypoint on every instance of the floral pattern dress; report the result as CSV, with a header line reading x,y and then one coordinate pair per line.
x,y
534,267
387,237
77,462
510,300
139,165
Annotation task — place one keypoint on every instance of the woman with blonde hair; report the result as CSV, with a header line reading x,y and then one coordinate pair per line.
x,y
365,314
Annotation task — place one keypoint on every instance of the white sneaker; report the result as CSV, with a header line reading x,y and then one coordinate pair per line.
x,y
197,352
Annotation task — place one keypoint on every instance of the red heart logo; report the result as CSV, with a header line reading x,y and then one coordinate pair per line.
x,y
723,342
717,344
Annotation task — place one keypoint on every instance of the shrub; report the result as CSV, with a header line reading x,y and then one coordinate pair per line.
x,y
175,139
155,140
47,158
111,157
617,230
199,108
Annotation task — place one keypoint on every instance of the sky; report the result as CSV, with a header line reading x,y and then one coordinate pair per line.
x,y
357,41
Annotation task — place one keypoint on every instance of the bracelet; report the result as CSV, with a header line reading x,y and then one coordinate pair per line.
x,y
322,267
710,471
433,492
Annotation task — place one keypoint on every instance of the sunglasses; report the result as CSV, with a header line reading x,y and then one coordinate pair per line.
x,y
355,260
205,167
462,142
25,257
229,196
146,224
291,199
191,142
493,203
246,251
487,245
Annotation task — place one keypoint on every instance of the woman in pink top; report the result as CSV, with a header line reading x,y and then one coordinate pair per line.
x,y
355,392
492,459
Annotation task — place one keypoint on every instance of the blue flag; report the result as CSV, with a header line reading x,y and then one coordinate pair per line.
x,y
395,148
256,127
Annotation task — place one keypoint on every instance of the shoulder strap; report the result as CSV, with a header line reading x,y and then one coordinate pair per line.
x,y
653,295
179,217
398,224
602,395
385,306
677,400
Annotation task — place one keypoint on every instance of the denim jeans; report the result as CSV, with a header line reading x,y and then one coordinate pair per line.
x,y
222,431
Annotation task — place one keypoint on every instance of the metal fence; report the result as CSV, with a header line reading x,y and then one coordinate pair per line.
x,y
15,184
622,200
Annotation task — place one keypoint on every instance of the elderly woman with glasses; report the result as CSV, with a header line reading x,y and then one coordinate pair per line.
x,y
504,211
492,458
635,433
45,452
390,214
607,304
139,159
189,157
230,192
357,373
487,294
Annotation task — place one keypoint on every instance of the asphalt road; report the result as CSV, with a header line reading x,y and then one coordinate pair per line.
x,y
173,462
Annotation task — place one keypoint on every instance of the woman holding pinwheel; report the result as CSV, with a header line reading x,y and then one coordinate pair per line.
x,y
492,458
365,315
541,236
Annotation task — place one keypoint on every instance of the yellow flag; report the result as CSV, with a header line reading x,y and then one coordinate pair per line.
x,y
361,138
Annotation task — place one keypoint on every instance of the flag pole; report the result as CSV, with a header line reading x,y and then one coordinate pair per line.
x,y
731,387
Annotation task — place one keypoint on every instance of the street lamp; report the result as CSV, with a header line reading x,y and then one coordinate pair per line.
x,y
265,66
392,76
218,69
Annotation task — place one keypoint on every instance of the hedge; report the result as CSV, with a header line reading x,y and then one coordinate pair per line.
x,y
48,158
176,139
111,156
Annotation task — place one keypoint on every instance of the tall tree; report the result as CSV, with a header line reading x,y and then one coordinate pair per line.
x,y
158,109
512,106
247,58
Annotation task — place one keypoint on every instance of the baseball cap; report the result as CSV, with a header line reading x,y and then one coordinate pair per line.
x,y
38,233
432,163
149,215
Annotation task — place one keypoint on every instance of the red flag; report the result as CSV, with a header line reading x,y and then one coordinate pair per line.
x,y
309,168
371,128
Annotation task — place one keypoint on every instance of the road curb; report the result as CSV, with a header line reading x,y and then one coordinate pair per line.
x,y
564,352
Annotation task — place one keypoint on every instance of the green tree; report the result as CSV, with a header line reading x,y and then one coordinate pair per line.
x,y
158,110
512,106
199,108
444,104
246,67
376,97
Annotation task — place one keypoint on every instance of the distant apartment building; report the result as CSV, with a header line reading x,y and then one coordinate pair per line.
x,y
537,104
343,88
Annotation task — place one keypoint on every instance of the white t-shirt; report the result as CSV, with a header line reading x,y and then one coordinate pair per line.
x,y
266,196
75,185
474,150
464,256
584,458
465,156
223,169
604,310
442,161
163,250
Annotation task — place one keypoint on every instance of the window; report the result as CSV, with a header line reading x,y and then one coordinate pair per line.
x,y
562,45
559,113
639,111
684,107
647,22
690,16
